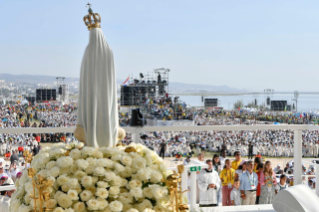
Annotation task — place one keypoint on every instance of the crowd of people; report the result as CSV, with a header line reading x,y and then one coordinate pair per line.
x,y
267,143
243,182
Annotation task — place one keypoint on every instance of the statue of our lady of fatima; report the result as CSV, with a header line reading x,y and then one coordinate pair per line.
x,y
97,119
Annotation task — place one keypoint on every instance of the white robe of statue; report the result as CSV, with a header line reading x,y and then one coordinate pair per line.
x,y
97,103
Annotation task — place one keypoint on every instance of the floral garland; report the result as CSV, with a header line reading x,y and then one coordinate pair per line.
x,y
106,179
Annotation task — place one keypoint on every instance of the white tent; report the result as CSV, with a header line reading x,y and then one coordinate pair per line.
x,y
24,102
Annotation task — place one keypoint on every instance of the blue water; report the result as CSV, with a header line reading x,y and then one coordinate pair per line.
x,y
306,103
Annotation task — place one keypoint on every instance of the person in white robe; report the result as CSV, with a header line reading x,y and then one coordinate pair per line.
x,y
208,184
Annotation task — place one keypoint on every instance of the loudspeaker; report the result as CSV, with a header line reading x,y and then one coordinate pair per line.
x,y
278,105
137,118
127,95
161,89
45,94
60,90
268,101
210,102
298,198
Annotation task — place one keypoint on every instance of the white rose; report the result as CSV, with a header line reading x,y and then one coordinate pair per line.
x,y
87,151
59,209
126,160
97,154
79,174
163,203
64,201
90,169
93,204
144,174
109,176
94,180
102,203
159,192
66,171
27,198
127,172
65,188
79,207
102,192
15,204
50,165
126,198
57,194
108,151
99,171
148,210
105,162
69,210
116,157
81,163
114,190
28,186
136,192
102,184
54,172
119,167
149,159
24,208
56,152
86,181
24,177
116,206
116,181
143,205
156,176
73,194
86,195
127,206
134,183
73,183
91,161
132,210
139,163
162,167
124,182
44,158
147,192
51,203
80,145
75,154
62,179
64,162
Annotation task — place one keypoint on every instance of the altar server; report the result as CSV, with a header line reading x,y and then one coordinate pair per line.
x,y
209,184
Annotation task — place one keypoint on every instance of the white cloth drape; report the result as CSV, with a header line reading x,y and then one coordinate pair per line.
x,y
97,103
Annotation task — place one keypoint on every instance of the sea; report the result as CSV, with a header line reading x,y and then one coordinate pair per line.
x,y
306,102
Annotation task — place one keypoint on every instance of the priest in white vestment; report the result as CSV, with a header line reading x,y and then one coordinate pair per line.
x,y
209,184
97,102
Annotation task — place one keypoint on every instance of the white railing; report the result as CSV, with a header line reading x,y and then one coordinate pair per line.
x,y
137,130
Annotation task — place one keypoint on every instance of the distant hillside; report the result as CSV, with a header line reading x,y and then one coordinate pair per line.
x,y
34,78
184,87
173,86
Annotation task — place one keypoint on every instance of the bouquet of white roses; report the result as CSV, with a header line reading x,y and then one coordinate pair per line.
x,y
106,179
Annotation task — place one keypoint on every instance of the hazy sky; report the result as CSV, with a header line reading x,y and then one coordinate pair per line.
x,y
242,44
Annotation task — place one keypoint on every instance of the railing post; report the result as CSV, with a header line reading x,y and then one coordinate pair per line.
x,y
297,156
136,135
185,181
193,191
317,179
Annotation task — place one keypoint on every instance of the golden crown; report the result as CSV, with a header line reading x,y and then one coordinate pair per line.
x,y
92,20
